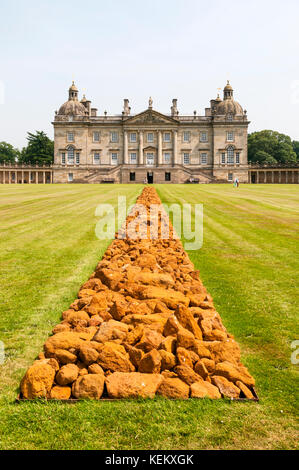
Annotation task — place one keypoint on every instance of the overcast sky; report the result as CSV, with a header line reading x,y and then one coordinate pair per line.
x,y
117,49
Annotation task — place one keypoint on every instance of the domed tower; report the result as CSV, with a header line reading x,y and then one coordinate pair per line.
x,y
229,106
72,107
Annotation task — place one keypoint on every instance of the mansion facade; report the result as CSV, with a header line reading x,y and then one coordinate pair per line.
x,y
150,146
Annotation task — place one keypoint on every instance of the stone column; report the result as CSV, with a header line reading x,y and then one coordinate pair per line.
x,y
140,147
36,177
22,177
279,176
9,177
160,160
44,177
175,148
257,176
126,159
287,177
29,177
272,177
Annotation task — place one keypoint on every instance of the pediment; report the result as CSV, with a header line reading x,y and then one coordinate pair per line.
x,y
151,117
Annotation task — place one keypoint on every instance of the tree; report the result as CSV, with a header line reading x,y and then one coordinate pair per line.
x,y
296,148
270,147
8,153
40,149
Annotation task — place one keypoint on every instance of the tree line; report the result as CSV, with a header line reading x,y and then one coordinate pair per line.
x,y
265,147
39,150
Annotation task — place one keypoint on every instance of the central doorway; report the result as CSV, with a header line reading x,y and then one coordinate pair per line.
x,y
150,177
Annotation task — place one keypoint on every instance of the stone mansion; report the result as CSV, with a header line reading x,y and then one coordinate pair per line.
x,y
150,146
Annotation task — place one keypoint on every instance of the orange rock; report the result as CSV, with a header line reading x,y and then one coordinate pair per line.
x,y
185,339
111,330
94,284
169,344
155,321
38,380
199,347
65,340
224,350
95,369
150,339
187,374
95,320
60,393
67,374
173,388
132,385
135,335
169,296
209,364
77,317
228,389
115,358
118,310
172,326
187,320
135,354
88,354
154,279
150,362
245,390
61,327
234,373
204,389
184,357
168,360
89,386
109,277
98,306
201,369
65,357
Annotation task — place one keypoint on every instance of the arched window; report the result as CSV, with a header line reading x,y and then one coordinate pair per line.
x,y
70,155
230,154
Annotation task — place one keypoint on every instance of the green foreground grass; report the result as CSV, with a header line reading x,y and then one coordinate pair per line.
x,y
248,263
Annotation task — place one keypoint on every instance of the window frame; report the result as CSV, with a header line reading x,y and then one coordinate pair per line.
x,y
93,136
237,158
167,176
164,137
188,134
112,135
77,158
114,159
164,159
63,159
132,140
68,136
147,137
132,176
70,177
232,177
94,158
223,159
201,136
71,158
230,155
232,134
186,155
135,159
202,157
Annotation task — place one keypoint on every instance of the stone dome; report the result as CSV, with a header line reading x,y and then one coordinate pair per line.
x,y
72,107
229,106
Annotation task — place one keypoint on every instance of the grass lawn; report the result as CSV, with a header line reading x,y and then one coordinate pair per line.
x,y
249,264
